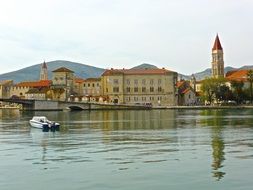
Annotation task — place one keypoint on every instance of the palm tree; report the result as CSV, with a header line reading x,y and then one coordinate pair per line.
x,y
250,79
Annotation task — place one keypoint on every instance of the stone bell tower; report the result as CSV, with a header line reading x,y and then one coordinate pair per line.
x,y
43,71
217,59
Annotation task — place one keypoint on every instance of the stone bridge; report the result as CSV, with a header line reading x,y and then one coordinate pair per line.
x,y
48,105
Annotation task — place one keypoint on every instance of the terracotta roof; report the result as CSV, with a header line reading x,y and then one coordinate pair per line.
x,y
238,75
92,79
217,44
63,69
186,90
79,80
180,83
41,83
136,72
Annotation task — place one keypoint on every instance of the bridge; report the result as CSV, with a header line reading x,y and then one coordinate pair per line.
x,y
52,105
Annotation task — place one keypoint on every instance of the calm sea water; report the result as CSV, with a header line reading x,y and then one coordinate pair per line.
x,y
128,150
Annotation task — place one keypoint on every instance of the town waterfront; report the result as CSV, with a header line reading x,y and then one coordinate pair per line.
x,y
137,149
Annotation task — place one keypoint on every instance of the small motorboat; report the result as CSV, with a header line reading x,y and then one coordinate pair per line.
x,y
41,122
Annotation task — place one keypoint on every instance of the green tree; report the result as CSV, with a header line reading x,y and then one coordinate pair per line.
x,y
238,92
250,79
211,88
224,93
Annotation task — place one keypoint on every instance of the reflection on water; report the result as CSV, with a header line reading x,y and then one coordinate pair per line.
x,y
144,147
217,141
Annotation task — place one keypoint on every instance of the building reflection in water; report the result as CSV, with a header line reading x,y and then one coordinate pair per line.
x,y
216,124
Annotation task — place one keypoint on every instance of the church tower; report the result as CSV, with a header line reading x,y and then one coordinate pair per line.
x,y
43,71
217,59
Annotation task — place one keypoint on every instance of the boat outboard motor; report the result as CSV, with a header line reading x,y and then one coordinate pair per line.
x,y
45,128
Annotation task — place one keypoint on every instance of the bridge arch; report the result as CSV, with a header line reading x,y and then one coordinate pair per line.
x,y
75,107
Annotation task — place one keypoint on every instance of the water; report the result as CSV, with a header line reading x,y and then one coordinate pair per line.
x,y
128,150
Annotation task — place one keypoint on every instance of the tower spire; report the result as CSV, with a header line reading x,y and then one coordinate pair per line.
x,y
217,44
43,71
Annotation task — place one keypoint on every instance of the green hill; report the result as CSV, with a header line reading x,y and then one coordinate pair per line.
x,y
85,71
33,72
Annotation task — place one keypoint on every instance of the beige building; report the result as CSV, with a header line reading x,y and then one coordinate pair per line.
x,y
140,86
62,84
186,94
5,87
25,89
92,87
88,90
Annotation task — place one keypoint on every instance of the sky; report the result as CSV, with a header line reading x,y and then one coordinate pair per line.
x,y
175,34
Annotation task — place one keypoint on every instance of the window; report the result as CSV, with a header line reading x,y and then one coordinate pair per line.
x,y
97,84
143,98
93,85
136,81
88,84
144,81
159,81
128,81
84,85
115,81
115,89
143,89
135,89
151,81
128,89
135,98
151,89
159,89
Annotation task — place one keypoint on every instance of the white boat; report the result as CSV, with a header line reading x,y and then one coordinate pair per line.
x,y
42,122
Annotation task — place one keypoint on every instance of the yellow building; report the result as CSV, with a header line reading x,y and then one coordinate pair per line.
x,y
26,90
62,84
5,87
140,86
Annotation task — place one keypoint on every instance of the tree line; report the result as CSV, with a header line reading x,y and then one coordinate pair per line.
x,y
218,90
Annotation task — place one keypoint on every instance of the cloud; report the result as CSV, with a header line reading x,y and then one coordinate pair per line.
x,y
176,34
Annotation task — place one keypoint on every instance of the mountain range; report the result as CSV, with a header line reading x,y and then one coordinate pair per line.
x,y
32,73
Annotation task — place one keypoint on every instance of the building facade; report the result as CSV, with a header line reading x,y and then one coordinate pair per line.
x,y
62,84
26,90
155,87
186,94
5,87
217,59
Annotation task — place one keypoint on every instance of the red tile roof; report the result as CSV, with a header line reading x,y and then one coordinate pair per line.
x,y
136,72
63,69
238,75
41,83
79,80
180,83
186,90
92,79
217,44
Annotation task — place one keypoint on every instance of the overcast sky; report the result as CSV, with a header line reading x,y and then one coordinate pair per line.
x,y
175,34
